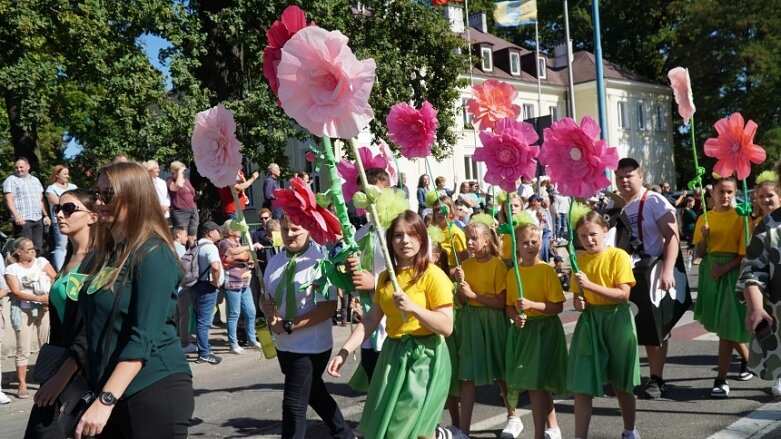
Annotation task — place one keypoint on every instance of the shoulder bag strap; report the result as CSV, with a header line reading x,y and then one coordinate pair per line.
x,y
107,333
640,221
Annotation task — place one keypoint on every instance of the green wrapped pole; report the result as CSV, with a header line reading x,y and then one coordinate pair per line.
x,y
696,183
375,220
571,234
336,195
745,210
516,269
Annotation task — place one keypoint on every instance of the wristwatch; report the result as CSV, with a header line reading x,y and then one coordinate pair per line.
x,y
107,398
287,325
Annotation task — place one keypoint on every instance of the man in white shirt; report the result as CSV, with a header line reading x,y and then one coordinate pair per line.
x,y
654,233
24,197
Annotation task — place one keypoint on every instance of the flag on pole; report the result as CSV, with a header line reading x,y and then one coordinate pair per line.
x,y
515,13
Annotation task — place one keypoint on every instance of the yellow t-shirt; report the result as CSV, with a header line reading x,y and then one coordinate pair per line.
x,y
485,278
726,232
507,248
540,284
433,290
609,268
459,242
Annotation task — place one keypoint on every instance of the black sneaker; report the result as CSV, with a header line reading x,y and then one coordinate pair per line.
x,y
211,359
720,389
744,374
655,388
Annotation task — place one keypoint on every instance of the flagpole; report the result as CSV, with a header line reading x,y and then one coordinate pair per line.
x,y
600,73
537,61
570,79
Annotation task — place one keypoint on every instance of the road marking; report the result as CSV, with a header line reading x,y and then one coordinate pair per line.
x,y
755,425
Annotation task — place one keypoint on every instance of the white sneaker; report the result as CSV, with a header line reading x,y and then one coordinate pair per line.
x,y
256,345
4,399
456,433
776,388
633,434
513,428
238,350
553,433
190,349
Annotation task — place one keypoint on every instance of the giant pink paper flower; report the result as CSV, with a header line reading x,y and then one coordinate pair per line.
x,y
349,171
413,130
323,86
493,102
734,148
508,153
682,89
215,147
301,208
575,160
293,20
387,154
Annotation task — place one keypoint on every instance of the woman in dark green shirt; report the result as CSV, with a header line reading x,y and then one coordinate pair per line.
x,y
134,360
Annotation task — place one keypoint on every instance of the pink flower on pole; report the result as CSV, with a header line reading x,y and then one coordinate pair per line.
x,y
682,89
387,154
309,156
493,102
413,130
323,86
215,147
734,148
301,207
575,160
293,20
508,153
349,171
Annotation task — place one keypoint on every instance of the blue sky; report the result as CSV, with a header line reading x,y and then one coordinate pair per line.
x,y
152,45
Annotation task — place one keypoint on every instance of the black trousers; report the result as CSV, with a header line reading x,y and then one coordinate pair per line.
x,y
32,230
162,410
369,361
304,386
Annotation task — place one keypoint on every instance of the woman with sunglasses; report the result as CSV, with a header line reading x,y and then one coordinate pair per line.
x,y
58,183
75,214
137,366
29,279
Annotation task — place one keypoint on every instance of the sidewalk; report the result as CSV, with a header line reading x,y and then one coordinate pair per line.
x,y
764,422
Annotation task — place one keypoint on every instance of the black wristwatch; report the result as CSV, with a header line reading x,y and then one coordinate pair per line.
x,y
287,325
107,398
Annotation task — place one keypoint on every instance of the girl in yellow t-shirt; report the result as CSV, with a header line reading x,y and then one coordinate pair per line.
x,y
722,245
481,324
604,344
536,358
457,245
412,376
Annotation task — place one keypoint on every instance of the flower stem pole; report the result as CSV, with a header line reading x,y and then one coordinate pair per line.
x,y
516,269
698,175
571,235
430,174
335,192
375,220
245,234
745,212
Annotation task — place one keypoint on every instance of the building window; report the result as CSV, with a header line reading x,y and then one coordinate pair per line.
x,y
515,63
465,116
470,168
528,111
541,68
554,113
640,116
660,120
622,116
487,64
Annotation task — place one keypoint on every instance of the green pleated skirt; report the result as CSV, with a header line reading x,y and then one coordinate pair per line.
x,y
482,344
718,308
408,390
604,351
536,357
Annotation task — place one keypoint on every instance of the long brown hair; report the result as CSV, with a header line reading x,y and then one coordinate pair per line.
x,y
416,227
134,193
493,245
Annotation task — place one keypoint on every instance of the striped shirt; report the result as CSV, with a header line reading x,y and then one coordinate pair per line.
x,y
28,193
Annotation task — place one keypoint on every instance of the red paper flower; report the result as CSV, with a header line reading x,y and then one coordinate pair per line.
x,y
734,148
293,20
413,130
575,160
301,208
310,157
349,171
493,102
508,153
682,89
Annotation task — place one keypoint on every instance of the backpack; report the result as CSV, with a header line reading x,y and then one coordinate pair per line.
x,y
192,269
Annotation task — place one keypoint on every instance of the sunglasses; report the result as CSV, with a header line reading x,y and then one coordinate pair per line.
x,y
264,218
67,209
106,196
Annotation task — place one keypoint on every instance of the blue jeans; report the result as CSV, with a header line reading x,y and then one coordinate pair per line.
x,y
60,246
561,226
545,247
240,301
204,298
